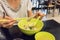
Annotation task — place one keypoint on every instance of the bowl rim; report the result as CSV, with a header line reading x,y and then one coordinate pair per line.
x,y
48,33
32,30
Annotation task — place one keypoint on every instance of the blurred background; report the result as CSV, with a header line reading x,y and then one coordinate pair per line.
x,y
49,7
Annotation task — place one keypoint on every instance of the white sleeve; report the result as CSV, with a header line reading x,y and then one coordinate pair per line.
x,y
29,5
1,10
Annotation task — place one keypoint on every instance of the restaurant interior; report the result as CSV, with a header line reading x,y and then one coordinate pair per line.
x,y
49,7
51,20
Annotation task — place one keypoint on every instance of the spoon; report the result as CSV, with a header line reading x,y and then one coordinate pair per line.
x,y
30,18
32,25
36,21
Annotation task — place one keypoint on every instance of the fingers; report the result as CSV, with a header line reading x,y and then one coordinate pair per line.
x,y
9,25
39,14
0,17
0,25
6,22
9,18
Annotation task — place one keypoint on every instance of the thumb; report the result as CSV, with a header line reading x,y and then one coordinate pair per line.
x,y
7,17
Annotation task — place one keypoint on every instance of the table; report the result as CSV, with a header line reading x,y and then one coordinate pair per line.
x,y
50,26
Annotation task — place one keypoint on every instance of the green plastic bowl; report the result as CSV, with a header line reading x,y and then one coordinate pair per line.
x,y
44,36
38,26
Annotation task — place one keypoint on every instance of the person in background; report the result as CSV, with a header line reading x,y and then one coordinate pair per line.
x,y
10,9
58,5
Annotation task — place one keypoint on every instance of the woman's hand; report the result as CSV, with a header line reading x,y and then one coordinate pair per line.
x,y
30,14
39,14
9,23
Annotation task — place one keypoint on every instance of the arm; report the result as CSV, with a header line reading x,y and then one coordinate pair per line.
x,y
30,11
9,22
36,14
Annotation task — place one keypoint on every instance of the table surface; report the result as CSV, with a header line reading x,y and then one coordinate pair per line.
x,y
49,26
